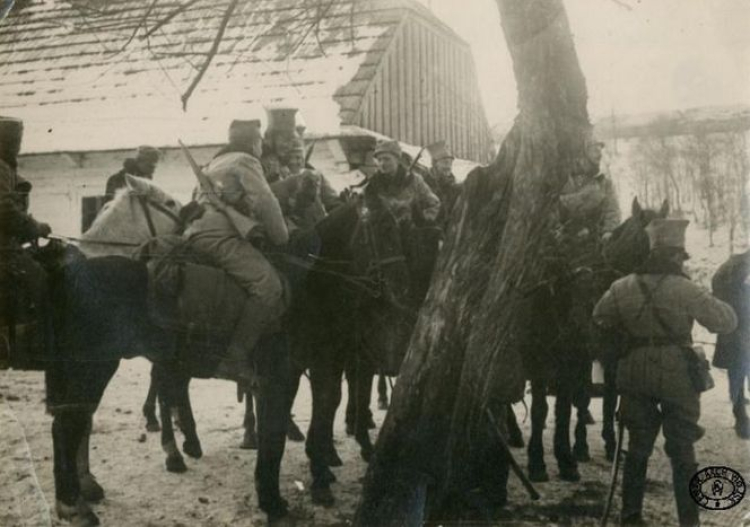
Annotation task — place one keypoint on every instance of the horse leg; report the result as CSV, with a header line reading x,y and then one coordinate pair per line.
x,y
167,385
583,400
363,394
250,438
382,393
293,433
539,412
565,461
149,407
68,431
90,488
192,444
737,395
515,437
609,407
274,369
351,399
325,381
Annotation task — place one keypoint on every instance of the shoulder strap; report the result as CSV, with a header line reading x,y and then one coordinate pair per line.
x,y
649,294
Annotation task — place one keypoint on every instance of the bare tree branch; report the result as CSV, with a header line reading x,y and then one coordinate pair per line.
x,y
624,5
138,26
168,18
211,53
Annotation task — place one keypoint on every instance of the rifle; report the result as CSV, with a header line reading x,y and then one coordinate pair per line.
x,y
513,463
203,181
308,155
414,162
235,218
615,470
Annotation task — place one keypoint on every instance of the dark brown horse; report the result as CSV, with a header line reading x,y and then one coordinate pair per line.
x,y
562,343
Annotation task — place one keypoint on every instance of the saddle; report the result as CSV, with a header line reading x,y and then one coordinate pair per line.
x,y
189,299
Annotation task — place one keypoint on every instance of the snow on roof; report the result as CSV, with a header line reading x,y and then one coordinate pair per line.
x,y
83,75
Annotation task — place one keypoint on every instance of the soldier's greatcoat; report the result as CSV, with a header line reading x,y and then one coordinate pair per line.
x,y
223,237
730,283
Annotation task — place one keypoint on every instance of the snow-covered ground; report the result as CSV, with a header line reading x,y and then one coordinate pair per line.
x,y
218,489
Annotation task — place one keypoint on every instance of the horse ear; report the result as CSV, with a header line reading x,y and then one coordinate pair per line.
x,y
636,210
664,210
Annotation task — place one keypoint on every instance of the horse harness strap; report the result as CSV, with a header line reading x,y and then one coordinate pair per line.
x,y
147,213
158,206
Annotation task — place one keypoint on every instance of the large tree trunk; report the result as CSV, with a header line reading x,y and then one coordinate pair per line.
x,y
465,353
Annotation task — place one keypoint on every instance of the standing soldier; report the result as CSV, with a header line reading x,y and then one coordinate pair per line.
x,y
731,283
441,180
142,165
655,308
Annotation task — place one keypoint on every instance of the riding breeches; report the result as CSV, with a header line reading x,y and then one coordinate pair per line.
x,y
246,264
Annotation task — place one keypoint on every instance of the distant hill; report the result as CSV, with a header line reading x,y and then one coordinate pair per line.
x,y
710,119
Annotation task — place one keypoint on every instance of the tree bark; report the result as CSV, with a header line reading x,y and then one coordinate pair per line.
x,y
465,352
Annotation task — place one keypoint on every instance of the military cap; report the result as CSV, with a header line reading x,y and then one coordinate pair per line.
x,y
439,150
667,233
388,147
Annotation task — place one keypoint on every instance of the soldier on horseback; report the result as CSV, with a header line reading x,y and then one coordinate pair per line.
x,y
441,180
230,239
660,376
22,280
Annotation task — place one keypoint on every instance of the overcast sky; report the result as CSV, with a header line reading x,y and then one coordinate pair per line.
x,y
659,55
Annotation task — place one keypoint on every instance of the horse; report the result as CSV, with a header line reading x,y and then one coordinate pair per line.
x,y
568,343
355,312
386,285
101,314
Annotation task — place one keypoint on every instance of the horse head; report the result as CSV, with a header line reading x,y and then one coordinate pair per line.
x,y
139,211
628,247
378,255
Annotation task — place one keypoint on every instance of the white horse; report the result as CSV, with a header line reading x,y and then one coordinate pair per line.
x,y
139,211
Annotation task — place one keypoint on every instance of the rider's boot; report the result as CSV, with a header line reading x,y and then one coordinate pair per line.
x,y
254,322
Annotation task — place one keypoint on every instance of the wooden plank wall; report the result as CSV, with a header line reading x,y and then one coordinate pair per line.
x,y
426,90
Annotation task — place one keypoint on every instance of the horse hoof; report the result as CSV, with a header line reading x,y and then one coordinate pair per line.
x,y
80,514
371,424
742,428
570,474
322,496
538,474
176,464
516,441
90,488
332,459
249,441
383,404
293,433
275,509
193,449
349,429
153,426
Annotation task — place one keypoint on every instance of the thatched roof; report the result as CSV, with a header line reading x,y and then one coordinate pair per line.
x,y
83,73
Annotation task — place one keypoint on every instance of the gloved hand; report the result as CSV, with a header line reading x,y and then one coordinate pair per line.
x,y
43,230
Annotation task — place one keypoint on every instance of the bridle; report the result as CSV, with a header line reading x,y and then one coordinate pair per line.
x,y
146,205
